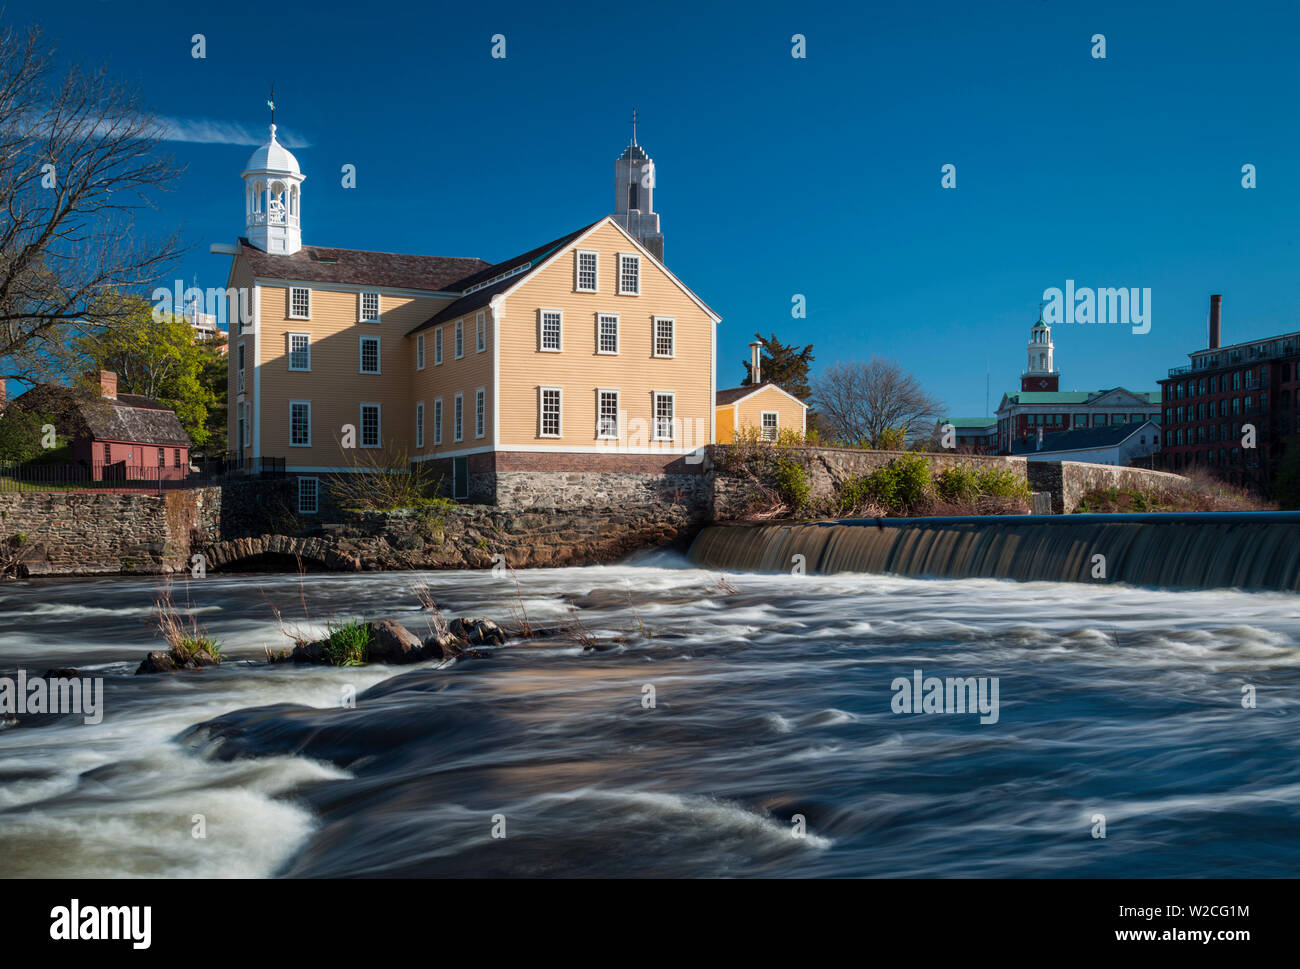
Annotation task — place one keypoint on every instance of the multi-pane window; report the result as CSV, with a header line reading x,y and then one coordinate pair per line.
x,y
437,421
370,425
437,346
549,422
370,354
663,416
629,274
458,418
419,351
299,351
607,333
769,418
480,412
551,324
239,368
300,423
480,333
419,424
369,307
176,457
587,270
308,496
460,339
299,303
162,457
607,414
663,336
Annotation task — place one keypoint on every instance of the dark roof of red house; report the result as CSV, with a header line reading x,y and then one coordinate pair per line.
x,y
318,264
130,419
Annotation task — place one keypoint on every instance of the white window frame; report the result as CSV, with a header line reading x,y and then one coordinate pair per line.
x,y
307,404
600,317
618,404
437,347
762,424
419,425
633,256
437,421
577,271
458,418
541,412
672,336
480,412
299,289
460,338
379,425
239,368
361,306
307,337
480,332
315,496
361,360
419,351
654,415
541,330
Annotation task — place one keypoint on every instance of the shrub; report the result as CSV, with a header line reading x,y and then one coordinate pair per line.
x,y
1001,483
853,494
792,483
958,484
348,643
902,485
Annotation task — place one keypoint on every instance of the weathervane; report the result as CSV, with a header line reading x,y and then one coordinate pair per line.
x,y
634,126
270,102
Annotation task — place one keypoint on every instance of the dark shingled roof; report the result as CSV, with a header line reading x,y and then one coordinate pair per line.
x,y
317,264
733,394
1080,438
480,298
133,419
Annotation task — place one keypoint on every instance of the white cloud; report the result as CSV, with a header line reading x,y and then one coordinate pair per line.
x,y
203,131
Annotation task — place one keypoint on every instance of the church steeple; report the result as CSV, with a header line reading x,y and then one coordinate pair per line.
x,y
273,199
1041,373
634,187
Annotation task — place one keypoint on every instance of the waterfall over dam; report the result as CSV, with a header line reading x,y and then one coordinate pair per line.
x,y
1243,550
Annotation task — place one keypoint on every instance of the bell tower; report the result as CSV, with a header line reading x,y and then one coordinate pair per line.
x,y
1041,373
273,199
634,191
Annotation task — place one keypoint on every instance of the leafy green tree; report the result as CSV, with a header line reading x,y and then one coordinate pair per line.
x,y
155,357
784,364
215,377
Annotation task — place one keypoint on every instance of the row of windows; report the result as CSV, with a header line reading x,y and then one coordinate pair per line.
x,y
550,414
1081,420
458,341
162,456
1199,435
550,333
371,421
586,272
300,304
1218,383
1199,412
300,355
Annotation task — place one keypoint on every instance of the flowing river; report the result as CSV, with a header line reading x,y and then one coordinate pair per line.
x,y
746,727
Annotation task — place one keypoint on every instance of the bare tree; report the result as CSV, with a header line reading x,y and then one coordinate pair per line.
x,y
78,158
871,402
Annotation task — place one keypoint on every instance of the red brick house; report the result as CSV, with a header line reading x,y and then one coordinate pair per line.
x,y
116,436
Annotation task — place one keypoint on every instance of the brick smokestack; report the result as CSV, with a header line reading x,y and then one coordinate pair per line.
x,y
108,384
1215,300
755,361
4,393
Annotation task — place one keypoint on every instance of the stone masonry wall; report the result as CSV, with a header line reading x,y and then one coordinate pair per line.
x,y
1068,481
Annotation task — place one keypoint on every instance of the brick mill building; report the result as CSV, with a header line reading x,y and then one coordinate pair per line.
x,y
1210,404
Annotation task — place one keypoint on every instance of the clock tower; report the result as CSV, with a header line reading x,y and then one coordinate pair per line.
x,y
1041,374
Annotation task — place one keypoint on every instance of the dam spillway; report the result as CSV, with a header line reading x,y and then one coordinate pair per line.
x,y
1242,550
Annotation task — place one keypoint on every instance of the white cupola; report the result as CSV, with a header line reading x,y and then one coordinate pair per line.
x,y
273,199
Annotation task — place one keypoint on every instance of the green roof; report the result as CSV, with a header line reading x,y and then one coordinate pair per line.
x,y
980,422
1073,396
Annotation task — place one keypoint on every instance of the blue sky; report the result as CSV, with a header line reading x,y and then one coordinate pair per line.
x,y
775,175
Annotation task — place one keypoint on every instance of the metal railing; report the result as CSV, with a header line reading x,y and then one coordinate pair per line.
x,y
121,476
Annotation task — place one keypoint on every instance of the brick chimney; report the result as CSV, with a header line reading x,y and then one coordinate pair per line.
x,y
4,393
755,362
108,384
1215,300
